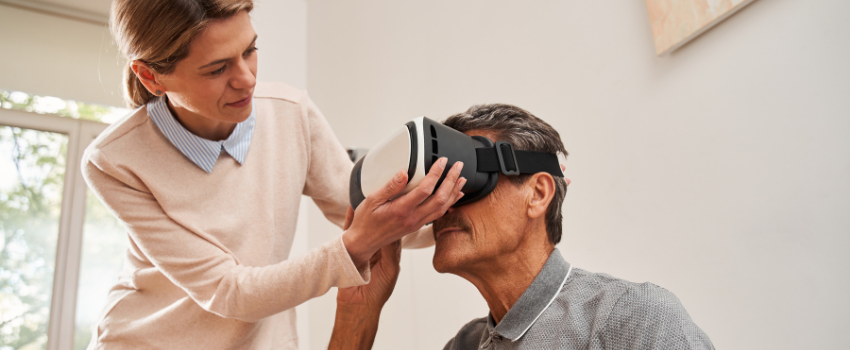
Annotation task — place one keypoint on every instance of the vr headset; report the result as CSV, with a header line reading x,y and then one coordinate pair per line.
x,y
419,143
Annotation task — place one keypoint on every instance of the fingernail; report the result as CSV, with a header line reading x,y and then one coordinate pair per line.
x,y
459,165
399,176
461,182
443,162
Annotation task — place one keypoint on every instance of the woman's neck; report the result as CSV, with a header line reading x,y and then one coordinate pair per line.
x,y
201,126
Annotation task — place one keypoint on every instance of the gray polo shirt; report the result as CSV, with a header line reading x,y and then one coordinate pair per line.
x,y
569,308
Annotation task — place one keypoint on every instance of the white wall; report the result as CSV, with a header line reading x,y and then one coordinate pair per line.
x,y
282,42
720,172
55,56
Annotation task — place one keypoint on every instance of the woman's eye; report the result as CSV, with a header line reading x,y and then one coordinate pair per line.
x,y
218,71
250,51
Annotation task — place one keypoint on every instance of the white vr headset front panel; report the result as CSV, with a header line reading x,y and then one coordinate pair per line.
x,y
391,156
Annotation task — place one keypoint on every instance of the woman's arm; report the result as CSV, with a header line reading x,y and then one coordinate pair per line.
x,y
328,166
206,270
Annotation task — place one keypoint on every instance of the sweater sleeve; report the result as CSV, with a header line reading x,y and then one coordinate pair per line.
x,y
329,171
329,165
207,271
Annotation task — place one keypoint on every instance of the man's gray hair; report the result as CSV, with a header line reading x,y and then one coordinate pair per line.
x,y
526,132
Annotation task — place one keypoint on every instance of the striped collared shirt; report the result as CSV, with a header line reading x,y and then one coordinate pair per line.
x,y
200,151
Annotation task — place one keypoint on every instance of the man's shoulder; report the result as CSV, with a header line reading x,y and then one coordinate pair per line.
x,y
612,287
469,336
608,293
634,313
598,288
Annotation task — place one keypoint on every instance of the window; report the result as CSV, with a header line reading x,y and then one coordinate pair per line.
x,y
60,249
31,184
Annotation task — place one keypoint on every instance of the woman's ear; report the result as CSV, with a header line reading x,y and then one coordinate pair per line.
x,y
148,77
542,187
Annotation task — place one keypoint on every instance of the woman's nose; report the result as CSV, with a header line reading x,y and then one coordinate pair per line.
x,y
245,77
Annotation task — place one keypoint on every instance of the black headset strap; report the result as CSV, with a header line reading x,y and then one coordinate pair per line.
x,y
529,162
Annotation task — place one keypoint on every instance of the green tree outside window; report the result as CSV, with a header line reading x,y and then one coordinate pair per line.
x,y
32,171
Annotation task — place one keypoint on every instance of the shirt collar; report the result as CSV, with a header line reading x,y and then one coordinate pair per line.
x,y
535,300
200,151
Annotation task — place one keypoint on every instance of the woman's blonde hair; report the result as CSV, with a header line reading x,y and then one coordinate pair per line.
x,y
158,33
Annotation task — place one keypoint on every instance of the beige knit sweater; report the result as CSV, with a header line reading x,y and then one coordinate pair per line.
x,y
208,265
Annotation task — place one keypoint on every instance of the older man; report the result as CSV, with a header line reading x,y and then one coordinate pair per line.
x,y
504,244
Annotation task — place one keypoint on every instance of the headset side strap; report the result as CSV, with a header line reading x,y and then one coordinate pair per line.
x,y
490,159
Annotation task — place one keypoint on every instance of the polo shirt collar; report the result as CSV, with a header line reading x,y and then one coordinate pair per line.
x,y
200,151
535,300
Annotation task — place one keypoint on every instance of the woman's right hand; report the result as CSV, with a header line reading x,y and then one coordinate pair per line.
x,y
379,221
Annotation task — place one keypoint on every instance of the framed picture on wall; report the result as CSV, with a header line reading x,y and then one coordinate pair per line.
x,y
676,22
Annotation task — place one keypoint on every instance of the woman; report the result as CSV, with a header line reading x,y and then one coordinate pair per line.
x,y
207,175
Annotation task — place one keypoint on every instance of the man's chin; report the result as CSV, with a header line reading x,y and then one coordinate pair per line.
x,y
447,256
442,266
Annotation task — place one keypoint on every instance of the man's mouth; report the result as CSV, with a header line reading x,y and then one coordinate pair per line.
x,y
446,231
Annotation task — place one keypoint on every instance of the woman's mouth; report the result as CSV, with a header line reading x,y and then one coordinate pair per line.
x,y
241,103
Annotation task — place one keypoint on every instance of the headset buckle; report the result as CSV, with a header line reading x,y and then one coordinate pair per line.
x,y
507,158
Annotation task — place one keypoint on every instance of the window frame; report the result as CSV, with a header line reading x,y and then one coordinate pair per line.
x,y
66,275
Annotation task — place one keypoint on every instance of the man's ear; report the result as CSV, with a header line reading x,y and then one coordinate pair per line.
x,y
542,187
148,77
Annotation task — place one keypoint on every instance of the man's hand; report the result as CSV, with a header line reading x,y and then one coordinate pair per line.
x,y
385,268
359,308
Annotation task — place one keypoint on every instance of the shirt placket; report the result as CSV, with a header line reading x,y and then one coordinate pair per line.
x,y
493,339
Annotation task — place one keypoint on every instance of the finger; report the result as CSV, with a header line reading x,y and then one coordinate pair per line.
x,y
349,217
437,214
563,167
426,187
442,198
392,187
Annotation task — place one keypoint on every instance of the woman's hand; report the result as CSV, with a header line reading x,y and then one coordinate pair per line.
x,y
378,221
